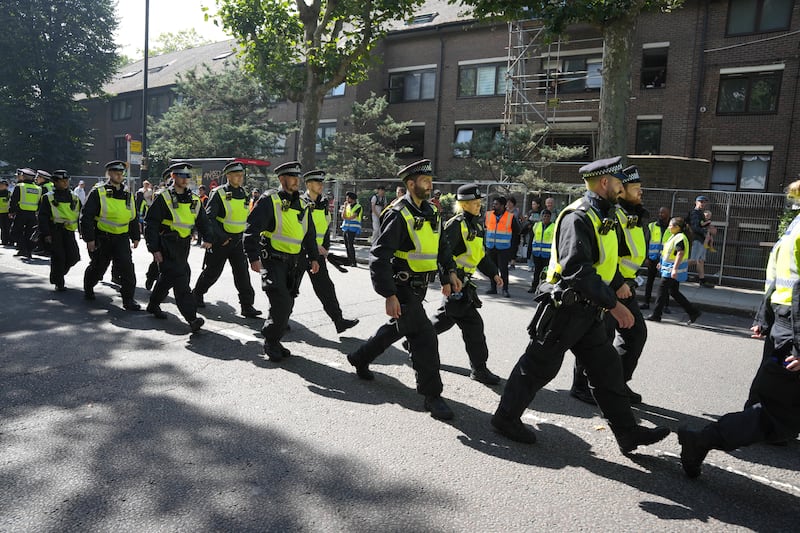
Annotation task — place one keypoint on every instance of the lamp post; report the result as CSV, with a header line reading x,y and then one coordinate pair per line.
x,y
143,168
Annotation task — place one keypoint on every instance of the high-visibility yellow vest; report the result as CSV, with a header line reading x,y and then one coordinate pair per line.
x,y
66,213
236,211
669,254
473,243
287,237
637,247
115,213
184,214
657,239
5,203
607,245
353,225
542,239
29,196
322,219
782,265
426,244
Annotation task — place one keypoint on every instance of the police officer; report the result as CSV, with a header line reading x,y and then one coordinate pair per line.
x,y
108,225
23,206
323,286
632,235
571,315
45,181
5,219
404,259
152,269
771,413
279,229
58,220
351,213
227,209
168,234
464,235
541,245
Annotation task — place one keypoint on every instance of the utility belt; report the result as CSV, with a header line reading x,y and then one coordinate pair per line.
x,y
415,280
568,297
274,255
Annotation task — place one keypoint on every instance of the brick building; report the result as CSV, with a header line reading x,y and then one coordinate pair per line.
x,y
713,103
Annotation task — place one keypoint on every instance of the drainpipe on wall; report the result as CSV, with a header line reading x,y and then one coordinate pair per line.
x,y
700,79
436,135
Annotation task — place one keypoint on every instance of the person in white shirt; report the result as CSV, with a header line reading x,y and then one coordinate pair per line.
x,y
80,192
377,203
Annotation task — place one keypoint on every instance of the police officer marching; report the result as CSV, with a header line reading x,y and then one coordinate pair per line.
x,y
321,281
571,313
279,229
227,209
168,234
152,269
5,217
629,342
58,220
404,259
23,206
108,225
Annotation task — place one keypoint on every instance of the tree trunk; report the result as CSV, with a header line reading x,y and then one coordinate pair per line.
x,y
617,57
312,106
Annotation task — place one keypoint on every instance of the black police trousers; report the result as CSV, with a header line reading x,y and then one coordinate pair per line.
x,y
414,325
22,230
214,263
464,314
5,229
174,273
577,328
64,253
501,258
325,291
108,248
350,246
629,344
280,279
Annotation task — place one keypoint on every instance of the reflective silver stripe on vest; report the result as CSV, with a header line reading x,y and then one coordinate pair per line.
x,y
174,213
278,235
102,193
228,204
57,218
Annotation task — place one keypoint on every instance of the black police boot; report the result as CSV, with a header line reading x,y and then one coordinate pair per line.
x,y
513,429
438,408
60,287
695,445
583,394
156,311
198,299
654,318
273,350
630,439
131,305
485,376
88,294
196,323
345,324
634,397
362,370
249,311
694,316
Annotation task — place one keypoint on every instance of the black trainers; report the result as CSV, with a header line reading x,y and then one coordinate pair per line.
x,y
345,324
156,311
485,376
438,408
692,453
640,436
196,324
362,370
249,311
584,395
653,318
131,305
706,284
693,318
513,429
274,351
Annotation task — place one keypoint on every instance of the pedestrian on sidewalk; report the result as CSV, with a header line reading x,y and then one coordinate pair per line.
x,y
699,226
501,241
674,270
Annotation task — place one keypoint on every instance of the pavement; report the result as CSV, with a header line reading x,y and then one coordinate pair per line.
x,y
719,299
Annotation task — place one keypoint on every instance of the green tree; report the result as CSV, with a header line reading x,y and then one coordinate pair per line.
x,y
52,51
308,47
617,21
369,150
219,114
174,42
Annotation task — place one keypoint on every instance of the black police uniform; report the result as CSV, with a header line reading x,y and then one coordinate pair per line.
x,y
24,224
108,246
575,323
282,272
174,270
392,276
463,311
64,252
629,342
226,247
5,219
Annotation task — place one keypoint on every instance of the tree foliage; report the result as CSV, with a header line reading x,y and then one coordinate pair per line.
x,y
174,42
217,115
308,47
52,51
369,150
617,20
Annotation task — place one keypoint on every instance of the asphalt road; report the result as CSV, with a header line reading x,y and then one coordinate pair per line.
x,y
111,420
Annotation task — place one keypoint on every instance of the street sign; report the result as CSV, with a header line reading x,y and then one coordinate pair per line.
x,y
136,147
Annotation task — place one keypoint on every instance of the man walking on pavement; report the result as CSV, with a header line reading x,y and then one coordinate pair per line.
x,y
377,203
227,209
501,241
22,208
5,218
321,281
279,229
403,261
570,315
697,221
58,221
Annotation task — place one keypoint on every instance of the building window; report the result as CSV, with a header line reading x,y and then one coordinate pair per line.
x,y
749,93
158,104
478,137
412,86
574,74
120,148
336,91
121,109
758,16
324,132
412,144
654,68
482,80
740,172
648,137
